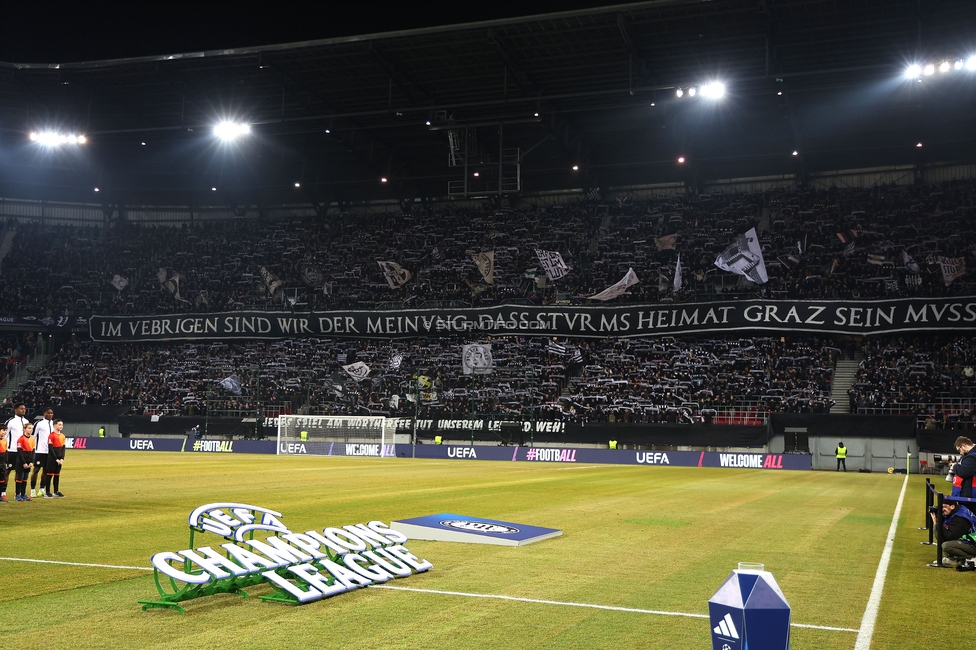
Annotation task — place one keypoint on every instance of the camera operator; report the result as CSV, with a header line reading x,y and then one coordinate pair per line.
x,y
964,470
956,533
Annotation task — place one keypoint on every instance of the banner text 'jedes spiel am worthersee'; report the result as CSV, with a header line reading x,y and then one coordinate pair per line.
x,y
838,317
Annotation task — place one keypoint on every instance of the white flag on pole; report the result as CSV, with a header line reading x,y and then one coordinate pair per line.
x,y
618,289
677,275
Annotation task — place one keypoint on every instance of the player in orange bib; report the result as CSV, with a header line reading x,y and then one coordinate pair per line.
x,y
25,458
55,459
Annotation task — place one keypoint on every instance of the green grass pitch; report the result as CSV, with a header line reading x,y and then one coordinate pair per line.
x,y
651,538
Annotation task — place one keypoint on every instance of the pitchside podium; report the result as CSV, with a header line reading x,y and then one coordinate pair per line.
x,y
749,611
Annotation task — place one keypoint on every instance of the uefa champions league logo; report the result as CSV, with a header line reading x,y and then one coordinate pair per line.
x,y
479,526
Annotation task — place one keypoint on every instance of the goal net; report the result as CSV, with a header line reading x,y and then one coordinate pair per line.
x,y
336,435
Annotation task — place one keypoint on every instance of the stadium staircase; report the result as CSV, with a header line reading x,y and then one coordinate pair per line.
x,y
845,372
8,243
22,373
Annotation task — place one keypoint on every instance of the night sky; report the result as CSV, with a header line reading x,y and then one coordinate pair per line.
x,y
61,32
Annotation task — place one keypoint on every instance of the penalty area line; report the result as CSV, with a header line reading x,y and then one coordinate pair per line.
x,y
866,632
584,605
98,566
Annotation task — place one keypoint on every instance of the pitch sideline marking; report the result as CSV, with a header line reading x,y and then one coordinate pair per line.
x,y
586,605
866,632
460,593
100,566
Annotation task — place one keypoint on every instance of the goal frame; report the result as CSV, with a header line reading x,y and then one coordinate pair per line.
x,y
336,435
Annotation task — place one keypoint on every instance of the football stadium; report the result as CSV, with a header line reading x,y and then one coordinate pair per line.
x,y
590,326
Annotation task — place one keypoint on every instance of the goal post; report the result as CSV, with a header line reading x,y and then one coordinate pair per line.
x,y
336,435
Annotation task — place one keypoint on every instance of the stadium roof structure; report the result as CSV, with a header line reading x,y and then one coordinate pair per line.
x,y
519,101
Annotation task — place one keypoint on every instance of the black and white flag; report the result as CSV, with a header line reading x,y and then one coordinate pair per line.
x,y
311,274
555,348
231,384
271,281
908,262
476,359
396,276
552,263
619,288
486,264
119,282
395,361
172,284
744,257
358,371
952,268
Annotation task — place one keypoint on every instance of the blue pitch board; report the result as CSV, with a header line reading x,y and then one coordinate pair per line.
x,y
448,527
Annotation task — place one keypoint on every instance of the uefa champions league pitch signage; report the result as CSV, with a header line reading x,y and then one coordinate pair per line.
x,y
300,567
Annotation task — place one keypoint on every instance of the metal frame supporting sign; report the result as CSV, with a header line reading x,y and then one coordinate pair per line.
x,y
300,567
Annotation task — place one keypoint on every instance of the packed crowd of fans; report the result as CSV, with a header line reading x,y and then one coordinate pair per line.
x,y
850,243
932,377
653,380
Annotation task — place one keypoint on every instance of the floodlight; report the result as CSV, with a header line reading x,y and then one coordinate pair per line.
x,y
691,92
298,184
681,160
958,64
213,189
231,130
929,69
382,179
97,190
680,93
713,90
575,168
913,71
477,174
428,124
919,145
328,130
944,67
971,63
52,139
796,153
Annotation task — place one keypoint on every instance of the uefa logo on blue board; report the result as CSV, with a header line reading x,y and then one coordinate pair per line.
x,y
479,526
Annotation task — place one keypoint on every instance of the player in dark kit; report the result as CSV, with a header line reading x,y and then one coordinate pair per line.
x,y
55,459
25,458
15,428
43,428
